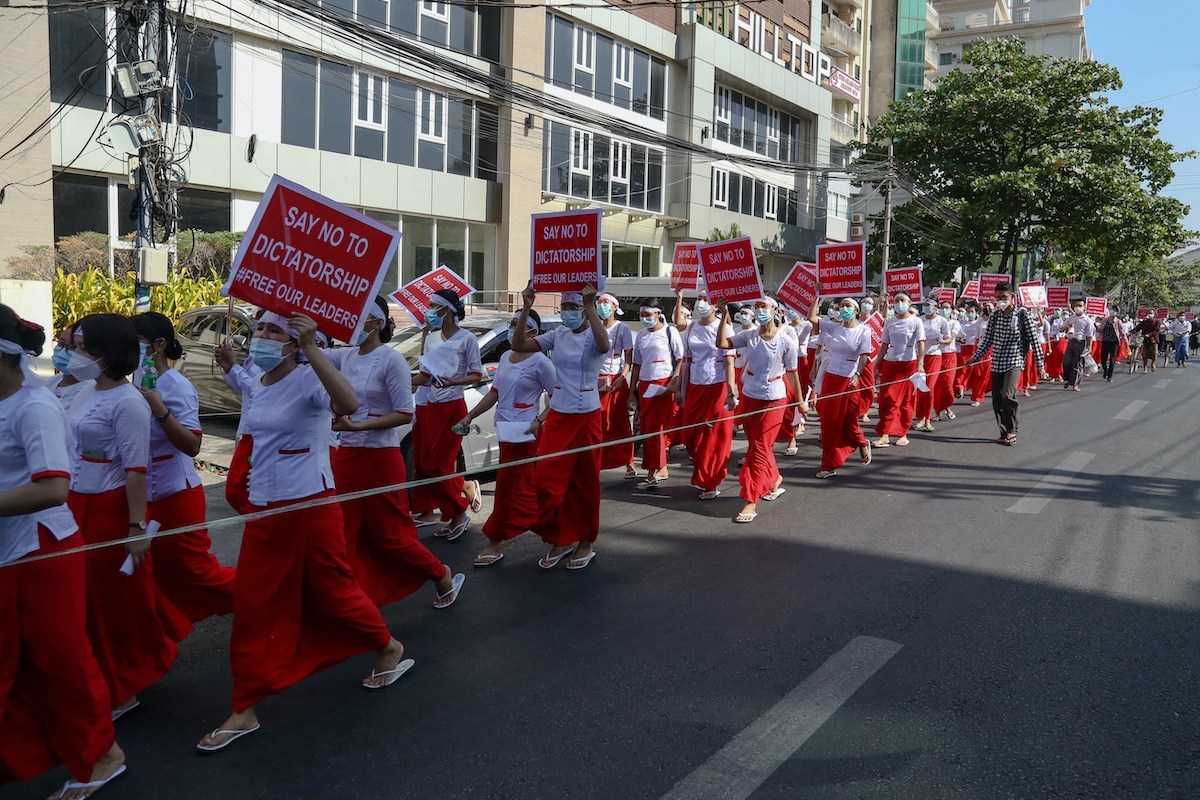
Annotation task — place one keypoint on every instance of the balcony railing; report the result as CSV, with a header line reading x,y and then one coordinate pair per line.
x,y
841,129
840,36
931,18
931,55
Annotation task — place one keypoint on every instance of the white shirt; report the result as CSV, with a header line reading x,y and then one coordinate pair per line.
x,y
1042,327
383,385
766,363
1082,328
655,353
901,335
844,346
456,357
1058,328
955,332
803,329
289,421
67,394
739,353
240,378
577,363
519,386
35,443
112,437
971,330
1181,327
706,361
620,339
172,470
936,329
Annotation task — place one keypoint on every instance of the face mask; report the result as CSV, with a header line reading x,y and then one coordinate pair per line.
x,y
846,313
833,314
762,315
1003,304
703,309
649,321
930,311
901,307
61,358
868,307
83,368
891,312
1079,311
1057,314
742,317
572,318
792,316
604,310
142,348
971,316
945,312
433,319
267,354
363,335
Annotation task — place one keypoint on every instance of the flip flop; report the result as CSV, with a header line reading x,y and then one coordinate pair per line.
x,y
774,493
745,517
450,534
951,415
93,786
631,474
866,460
477,502
233,737
580,563
424,523
456,584
649,483
394,674
902,444
118,713
710,494
826,473
791,451
550,562
488,560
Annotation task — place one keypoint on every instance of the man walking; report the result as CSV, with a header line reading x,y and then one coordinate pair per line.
x,y
1079,342
1182,329
1010,336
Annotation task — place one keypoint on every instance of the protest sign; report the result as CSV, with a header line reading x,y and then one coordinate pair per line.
x,y
1058,296
414,296
306,253
1143,312
970,291
1162,313
1033,294
903,279
1097,306
875,323
1190,316
988,282
730,271
799,288
842,269
943,295
565,250
685,267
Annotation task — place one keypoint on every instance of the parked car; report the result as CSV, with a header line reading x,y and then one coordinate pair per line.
x,y
202,329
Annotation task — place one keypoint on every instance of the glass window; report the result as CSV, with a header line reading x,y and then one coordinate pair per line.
x,y
374,12
564,41
654,180
487,135
434,22
641,82
205,71
481,247
584,60
637,176
558,158
720,188
371,95
735,193
343,7
771,202
299,99
203,210
652,266
626,261
462,27
336,106
945,59
490,28
391,275
461,136
432,111
416,248
80,203
581,163
604,68
401,128
78,58
601,151
451,245
404,17
658,88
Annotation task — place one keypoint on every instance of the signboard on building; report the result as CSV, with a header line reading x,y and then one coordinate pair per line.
x,y
842,269
685,267
903,279
1096,306
414,296
787,47
565,250
304,253
1058,296
799,289
845,84
730,271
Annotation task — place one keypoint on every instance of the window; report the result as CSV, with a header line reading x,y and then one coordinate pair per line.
x,y
945,59
592,64
720,188
78,57
581,151
623,66
431,114
299,99
80,203
771,204
772,133
371,91
742,121
435,11
622,260
336,107
205,63
1022,15
620,161
585,50
590,165
374,12
203,210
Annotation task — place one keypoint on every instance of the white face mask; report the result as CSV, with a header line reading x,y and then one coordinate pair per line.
x,y
703,309
868,306
82,367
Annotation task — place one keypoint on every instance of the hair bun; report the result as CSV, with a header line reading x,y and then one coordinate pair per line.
x,y
33,336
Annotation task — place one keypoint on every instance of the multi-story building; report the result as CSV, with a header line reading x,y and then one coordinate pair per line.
x,y
455,122
843,40
903,54
1047,27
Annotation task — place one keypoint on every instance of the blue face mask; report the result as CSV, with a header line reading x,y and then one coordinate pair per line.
x,y
61,358
142,348
762,315
604,310
742,317
572,318
901,307
433,319
649,321
945,312
529,334
267,354
846,313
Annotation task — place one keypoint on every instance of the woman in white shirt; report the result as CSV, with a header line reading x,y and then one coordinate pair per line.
x,y
771,360
657,354
568,486
614,388
522,379
900,357
943,391
66,387
708,399
385,555
185,569
453,353
847,352
1058,345
297,608
866,379
971,330
54,705
937,339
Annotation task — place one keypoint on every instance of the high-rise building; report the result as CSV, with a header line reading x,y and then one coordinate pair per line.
x,y
903,54
843,23
1047,27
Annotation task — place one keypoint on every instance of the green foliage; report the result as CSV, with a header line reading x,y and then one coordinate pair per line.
x,y
71,255
93,291
718,235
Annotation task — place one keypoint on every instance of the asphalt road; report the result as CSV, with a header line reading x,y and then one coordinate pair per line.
x,y
1048,651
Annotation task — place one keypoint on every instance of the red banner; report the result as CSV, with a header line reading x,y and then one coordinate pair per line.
x,y
306,253
1032,294
970,291
565,250
943,295
685,267
1096,306
1162,313
1190,316
414,296
730,271
842,269
1058,296
988,282
1142,313
875,323
904,279
799,288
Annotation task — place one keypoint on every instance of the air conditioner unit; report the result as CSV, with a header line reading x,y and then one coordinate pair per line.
x,y
856,219
856,231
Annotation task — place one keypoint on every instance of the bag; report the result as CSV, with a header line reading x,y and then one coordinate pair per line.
x,y
1090,365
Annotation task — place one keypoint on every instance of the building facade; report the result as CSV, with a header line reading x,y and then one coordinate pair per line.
x,y
903,53
1052,28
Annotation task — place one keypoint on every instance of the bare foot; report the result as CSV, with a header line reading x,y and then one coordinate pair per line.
x,y
238,721
387,660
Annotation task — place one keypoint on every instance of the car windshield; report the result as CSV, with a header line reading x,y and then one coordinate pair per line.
x,y
408,340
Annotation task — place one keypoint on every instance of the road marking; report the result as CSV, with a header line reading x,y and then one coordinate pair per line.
x,y
1059,478
1131,410
1164,383
740,767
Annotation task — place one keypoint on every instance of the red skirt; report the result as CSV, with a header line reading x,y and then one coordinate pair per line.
x,y
614,413
381,540
1054,361
943,395
568,486
896,401
866,386
711,441
759,472
840,431
790,413
1029,373
804,367
962,371
58,709
981,380
655,415
186,572
923,407
133,627
518,512
237,481
435,453
297,608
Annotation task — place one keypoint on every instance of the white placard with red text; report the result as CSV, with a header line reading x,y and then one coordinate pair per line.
x,y
564,250
842,269
730,271
1032,294
414,296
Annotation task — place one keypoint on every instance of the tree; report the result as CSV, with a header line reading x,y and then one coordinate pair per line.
x,y
718,235
1028,151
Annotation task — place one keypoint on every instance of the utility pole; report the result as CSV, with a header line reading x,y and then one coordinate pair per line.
x,y
151,38
887,208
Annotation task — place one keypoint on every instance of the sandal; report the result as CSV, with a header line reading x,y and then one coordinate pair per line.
x,y
94,786
450,534
649,483
550,562
631,474
791,451
487,560
951,415
710,494
1008,440
456,584
580,563
233,737
827,473
866,460
477,498
774,493
745,516
394,674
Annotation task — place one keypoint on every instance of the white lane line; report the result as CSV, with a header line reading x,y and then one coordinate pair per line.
x,y
1059,478
1164,383
1131,410
740,767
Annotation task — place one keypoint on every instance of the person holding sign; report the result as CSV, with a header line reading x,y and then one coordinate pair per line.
x,y
657,352
793,423
568,486
771,361
297,608
937,338
450,362
900,356
710,398
185,570
385,555
847,349
971,329
614,387
516,393
54,705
